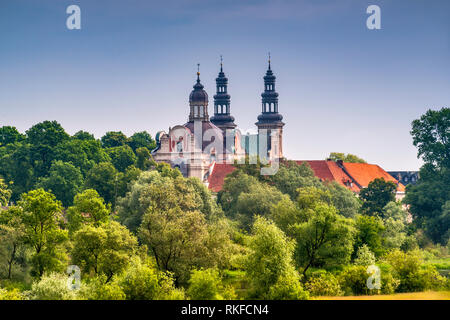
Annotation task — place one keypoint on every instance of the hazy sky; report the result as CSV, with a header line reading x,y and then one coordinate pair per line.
x,y
132,66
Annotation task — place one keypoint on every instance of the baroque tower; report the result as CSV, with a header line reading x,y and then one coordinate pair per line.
x,y
222,117
270,122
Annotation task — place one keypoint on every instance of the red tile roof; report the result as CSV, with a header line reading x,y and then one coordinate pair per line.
x,y
364,173
218,174
350,175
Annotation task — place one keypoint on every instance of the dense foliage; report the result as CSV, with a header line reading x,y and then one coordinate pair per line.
x,y
139,230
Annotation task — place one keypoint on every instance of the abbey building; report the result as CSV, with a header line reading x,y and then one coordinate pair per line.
x,y
203,141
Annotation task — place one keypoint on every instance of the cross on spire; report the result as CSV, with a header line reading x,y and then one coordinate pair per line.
x,y
269,60
198,72
221,63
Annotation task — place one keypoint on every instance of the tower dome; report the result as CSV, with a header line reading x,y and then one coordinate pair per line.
x,y
198,101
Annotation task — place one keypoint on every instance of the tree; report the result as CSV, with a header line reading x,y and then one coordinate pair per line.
x,y
64,181
324,238
83,135
377,195
88,208
12,240
122,157
269,264
177,240
141,140
103,178
114,139
235,183
427,202
16,168
44,137
258,201
5,193
344,200
143,158
41,216
104,250
338,156
10,135
163,191
369,231
431,136
292,176
394,234
82,153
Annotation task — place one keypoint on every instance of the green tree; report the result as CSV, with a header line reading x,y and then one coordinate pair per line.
x,y
64,181
88,208
10,135
103,178
177,239
336,156
427,202
431,136
141,140
83,135
377,195
82,153
114,139
143,161
344,200
259,200
163,191
269,264
41,216
324,238
122,157
12,242
43,138
395,231
292,176
16,168
369,231
104,250
5,193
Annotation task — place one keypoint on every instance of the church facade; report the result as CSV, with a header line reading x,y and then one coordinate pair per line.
x,y
202,142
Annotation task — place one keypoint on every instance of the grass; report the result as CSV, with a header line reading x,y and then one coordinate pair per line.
x,y
427,295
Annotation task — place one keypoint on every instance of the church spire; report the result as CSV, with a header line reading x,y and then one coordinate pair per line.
x,y
270,121
222,117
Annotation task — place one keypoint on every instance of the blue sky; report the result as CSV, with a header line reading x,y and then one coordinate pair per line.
x,y
132,65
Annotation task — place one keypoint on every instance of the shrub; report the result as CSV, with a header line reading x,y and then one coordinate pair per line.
x,y
353,280
287,287
13,294
412,274
52,287
97,289
204,285
324,284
